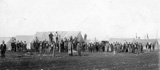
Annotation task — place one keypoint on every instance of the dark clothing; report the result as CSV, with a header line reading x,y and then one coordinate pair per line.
x,y
62,47
18,46
153,46
24,46
3,50
56,39
13,46
150,47
51,37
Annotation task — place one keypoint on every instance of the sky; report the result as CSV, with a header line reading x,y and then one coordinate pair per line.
x,y
100,19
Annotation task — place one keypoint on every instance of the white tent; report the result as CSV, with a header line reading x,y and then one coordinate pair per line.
x,y
158,43
7,41
64,34
27,38
153,41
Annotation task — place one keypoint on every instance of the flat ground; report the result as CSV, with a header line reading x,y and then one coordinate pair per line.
x,y
88,61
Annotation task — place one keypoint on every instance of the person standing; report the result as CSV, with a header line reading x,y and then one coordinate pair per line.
x,y
40,47
25,46
18,45
150,45
51,37
56,36
62,45
3,49
70,47
53,46
13,45
79,45
66,45
147,46
141,47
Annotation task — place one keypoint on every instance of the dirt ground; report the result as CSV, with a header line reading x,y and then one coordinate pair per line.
x,y
88,61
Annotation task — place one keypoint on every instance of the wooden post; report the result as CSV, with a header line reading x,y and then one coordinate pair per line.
x,y
59,43
53,45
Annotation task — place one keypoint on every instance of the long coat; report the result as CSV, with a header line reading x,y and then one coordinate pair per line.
x,y
3,47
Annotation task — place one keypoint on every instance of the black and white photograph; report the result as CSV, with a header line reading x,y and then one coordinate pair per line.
x,y
79,34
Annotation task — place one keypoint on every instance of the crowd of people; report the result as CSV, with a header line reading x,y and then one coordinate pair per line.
x,y
119,47
17,46
68,45
72,44
62,45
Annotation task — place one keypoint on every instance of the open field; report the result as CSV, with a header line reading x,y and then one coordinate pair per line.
x,y
89,61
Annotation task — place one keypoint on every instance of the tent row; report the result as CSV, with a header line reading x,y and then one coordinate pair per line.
x,y
41,37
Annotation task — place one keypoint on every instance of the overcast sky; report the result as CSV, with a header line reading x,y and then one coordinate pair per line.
x,y
102,19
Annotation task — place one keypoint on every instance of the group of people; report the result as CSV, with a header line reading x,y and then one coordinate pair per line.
x,y
42,46
72,44
18,46
62,45
95,47
119,47
68,45
127,47
15,46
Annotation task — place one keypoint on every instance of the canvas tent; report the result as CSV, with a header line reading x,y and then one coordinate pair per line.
x,y
7,41
121,40
158,41
29,39
63,34
144,42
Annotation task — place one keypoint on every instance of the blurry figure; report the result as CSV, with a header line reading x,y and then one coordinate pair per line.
x,y
53,46
18,45
141,47
147,45
3,49
66,45
51,37
70,47
150,46
56,37
40,47
24,46
13,44
79,45
21,46
62,45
